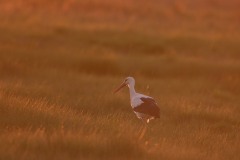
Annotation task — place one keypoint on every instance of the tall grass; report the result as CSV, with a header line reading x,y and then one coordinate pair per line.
x,y
60,61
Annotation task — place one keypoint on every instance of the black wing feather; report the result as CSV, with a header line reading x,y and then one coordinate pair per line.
x,y
149,107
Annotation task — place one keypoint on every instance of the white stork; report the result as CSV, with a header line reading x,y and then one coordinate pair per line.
x,y
143,106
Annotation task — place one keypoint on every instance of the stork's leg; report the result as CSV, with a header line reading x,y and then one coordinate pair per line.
x,y
143,130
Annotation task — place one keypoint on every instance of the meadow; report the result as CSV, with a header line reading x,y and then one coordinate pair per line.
x,y
61,60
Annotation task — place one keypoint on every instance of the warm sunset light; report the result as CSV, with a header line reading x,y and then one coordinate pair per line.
x,y
60,61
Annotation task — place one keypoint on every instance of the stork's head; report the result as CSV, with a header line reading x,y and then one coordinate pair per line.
x,y
129,81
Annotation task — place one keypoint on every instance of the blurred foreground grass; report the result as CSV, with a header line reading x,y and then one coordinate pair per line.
x,y
58,73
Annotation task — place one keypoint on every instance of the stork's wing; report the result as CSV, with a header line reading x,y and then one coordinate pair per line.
x,y
149,107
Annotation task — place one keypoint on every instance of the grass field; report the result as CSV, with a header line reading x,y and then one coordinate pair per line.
x,y
61,60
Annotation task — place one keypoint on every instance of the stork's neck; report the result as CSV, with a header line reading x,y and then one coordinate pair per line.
x,y
131,90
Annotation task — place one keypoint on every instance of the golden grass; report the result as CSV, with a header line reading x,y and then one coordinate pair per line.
x,y
60,61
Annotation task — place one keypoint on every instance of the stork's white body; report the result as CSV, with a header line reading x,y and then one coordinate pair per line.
x,y
135,102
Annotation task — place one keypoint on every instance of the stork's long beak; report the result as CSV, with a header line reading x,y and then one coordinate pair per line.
x,y
120,87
